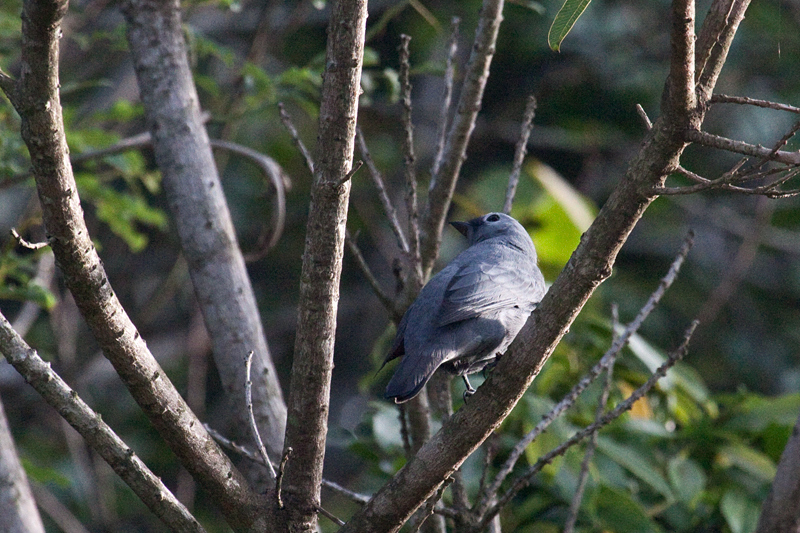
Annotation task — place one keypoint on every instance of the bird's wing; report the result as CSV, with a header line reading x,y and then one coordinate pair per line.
x,y
489,282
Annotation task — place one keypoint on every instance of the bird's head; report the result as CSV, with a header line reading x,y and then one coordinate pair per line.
x,y
492,225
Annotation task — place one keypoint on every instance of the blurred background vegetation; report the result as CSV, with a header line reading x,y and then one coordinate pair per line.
x,y
698,454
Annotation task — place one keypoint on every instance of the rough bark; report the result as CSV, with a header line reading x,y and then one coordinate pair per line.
x,y
97,434
309,394
589,265
17,506
36,98
198,207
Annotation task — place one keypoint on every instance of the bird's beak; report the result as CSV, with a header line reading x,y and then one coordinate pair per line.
x,y
462,227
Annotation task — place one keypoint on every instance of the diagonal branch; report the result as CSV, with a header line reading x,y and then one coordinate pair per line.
x,y
620,341
590,265
97,434
443,183
612,415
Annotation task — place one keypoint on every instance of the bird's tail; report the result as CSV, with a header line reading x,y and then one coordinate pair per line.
x,y
411,375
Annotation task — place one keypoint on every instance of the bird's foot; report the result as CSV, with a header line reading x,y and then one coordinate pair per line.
x,y
470,389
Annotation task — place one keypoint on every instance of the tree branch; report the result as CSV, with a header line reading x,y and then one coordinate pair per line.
x,y
589,265
95,432
309,394
414,259
519,152
443,183
202,219
740,147
623,406
447,97
39,107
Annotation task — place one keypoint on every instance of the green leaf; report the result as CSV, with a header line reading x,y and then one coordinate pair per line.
x,y
687,478
739,511
751,461
564,21
637,464
617,511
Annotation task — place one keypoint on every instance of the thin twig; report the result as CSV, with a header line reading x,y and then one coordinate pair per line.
x,y
384,298
350,173
740,147
330,516
430,505
409,159
380,184
575,505
286,119
643,115
744,100
26,244
256,458
623,406
447,97
579,387
273,171
97,434
519,152
248,395
279,480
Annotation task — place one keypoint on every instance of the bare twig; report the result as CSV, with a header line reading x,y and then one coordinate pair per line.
x,y
286,119
248,398
350,173
279,480
277,179
605,361
330,516
256,458
741,147
377,179
643,115
384,298
575,505
25,244
447,97
409,159
443,183
520,151
430,505
744,100
623,406
95,432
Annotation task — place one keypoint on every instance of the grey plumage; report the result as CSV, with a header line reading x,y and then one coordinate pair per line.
x,y
468,313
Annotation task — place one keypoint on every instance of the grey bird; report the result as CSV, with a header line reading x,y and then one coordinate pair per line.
x,y
466,316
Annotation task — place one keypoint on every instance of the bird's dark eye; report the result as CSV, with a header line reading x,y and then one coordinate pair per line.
x,y
492,218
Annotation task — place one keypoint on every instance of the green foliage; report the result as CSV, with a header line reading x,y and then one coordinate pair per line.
x,y
565,19
17,273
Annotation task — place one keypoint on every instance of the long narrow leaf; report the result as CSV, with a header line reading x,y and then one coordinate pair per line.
x,y
564,21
